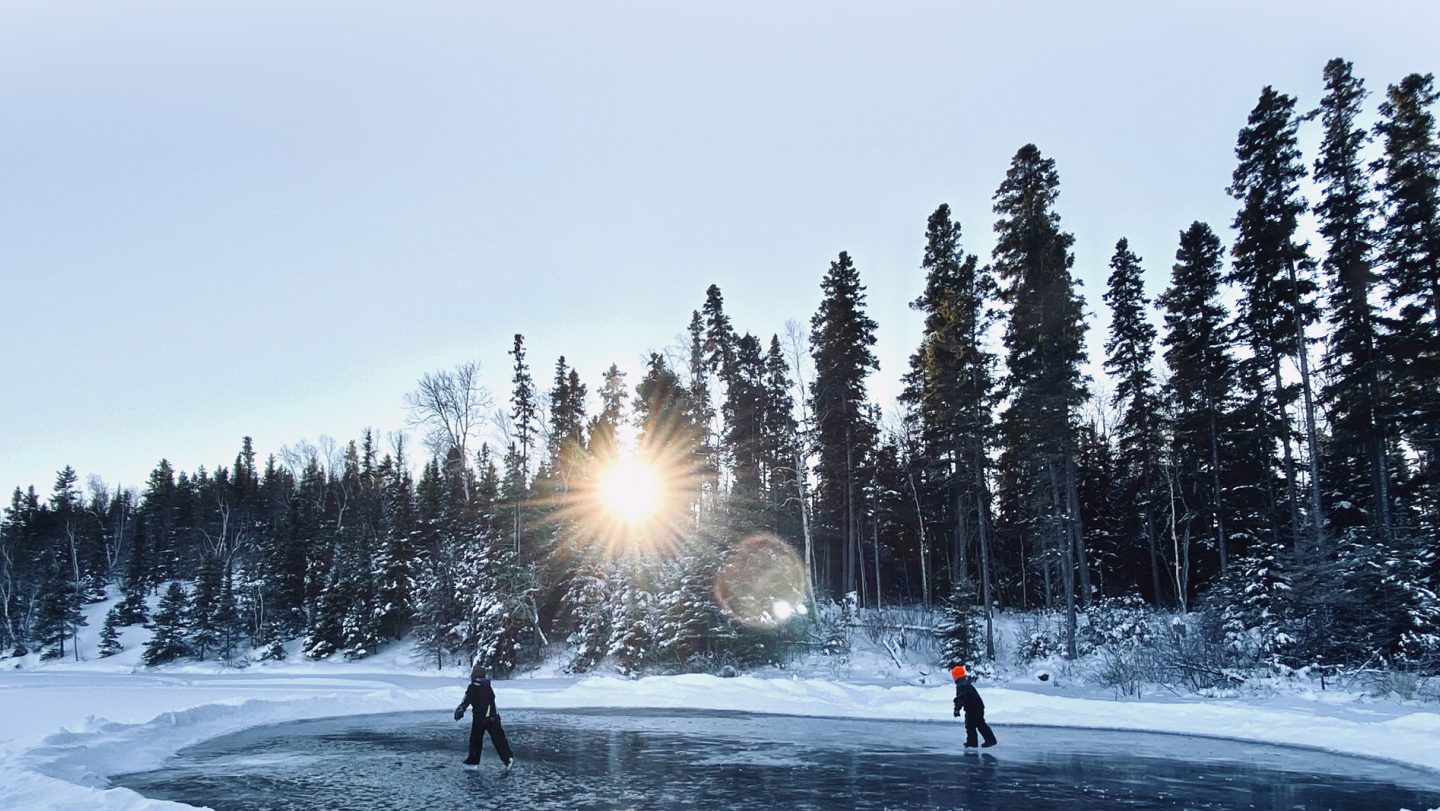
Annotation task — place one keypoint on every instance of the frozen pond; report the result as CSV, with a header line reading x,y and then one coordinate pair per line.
x,y
661,759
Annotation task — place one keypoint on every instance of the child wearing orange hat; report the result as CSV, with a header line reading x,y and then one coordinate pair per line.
x,y
967,698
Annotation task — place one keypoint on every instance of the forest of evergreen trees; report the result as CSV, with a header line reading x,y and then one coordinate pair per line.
x,y
1267,460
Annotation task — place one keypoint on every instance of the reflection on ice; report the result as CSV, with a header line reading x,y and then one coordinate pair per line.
x,y
660,759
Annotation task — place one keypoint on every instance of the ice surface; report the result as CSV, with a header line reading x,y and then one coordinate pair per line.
x,y
615,759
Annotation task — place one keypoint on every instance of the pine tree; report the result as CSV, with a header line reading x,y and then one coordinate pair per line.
x,y
1197,394
719,345
1129,351
1254,607
206,610
603,441
109,637
1409,240
524,417
688,615
172,619
1045,344
841,337
633,613
586,610
699,382
439,616
1357,465
159,508
961,640
567,422
1273,273
951,385
495,603
778,438
57,610
394,576
135,584
744,412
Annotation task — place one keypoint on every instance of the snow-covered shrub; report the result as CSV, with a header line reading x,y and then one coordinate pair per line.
x,y
1117,622
1037,638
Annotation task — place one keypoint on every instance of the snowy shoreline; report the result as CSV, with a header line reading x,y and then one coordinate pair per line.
x,y
70,728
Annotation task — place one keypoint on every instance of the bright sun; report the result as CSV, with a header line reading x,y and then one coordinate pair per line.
x,y
630,490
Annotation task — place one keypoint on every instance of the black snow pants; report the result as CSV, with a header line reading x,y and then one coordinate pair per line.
x,y
975,722
478,727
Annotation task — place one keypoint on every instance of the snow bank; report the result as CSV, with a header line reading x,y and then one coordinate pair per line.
x,y
69,769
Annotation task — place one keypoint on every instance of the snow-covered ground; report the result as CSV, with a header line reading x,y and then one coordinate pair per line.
x,y
65,726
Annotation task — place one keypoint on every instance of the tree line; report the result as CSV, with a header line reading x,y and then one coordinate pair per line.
x,y
1267,456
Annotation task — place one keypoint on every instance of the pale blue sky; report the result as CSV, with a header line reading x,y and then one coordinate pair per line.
x,y
270,218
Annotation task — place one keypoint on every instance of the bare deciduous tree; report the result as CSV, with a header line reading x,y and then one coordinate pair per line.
x,y
450,406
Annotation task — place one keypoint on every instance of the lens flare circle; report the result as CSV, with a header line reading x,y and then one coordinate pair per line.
x,y
762,583
630,490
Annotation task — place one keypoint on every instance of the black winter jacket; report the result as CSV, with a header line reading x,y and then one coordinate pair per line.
x,y
481,696
967,698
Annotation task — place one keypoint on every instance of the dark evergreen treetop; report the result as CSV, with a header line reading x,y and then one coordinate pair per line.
x,y
1345,210
1410,252
841,335
951,378
567,407
1411,190
1352,394
1131,345
1045,335
719,334
1197,337
1270,266
524,406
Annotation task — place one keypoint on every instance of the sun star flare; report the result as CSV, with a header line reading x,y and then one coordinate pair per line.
x,y
630,489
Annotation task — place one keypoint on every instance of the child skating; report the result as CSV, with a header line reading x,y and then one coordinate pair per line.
x,y
486,718
967,698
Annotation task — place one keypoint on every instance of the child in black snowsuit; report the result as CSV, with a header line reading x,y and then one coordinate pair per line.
x,y
967,698
486,718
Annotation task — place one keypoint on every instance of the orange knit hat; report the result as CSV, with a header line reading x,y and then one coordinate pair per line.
x,y
957,672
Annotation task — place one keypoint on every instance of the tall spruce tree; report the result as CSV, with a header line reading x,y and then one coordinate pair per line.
x,y
524,418
841,337
57,616
1410,253
567,422
952,388
603,427
1357,465
1045,346
172,621
1277,292
778,438
1129,351
1409,241
1198,391
744,412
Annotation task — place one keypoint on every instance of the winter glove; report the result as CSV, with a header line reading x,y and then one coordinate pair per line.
x,y
460,713
957,714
